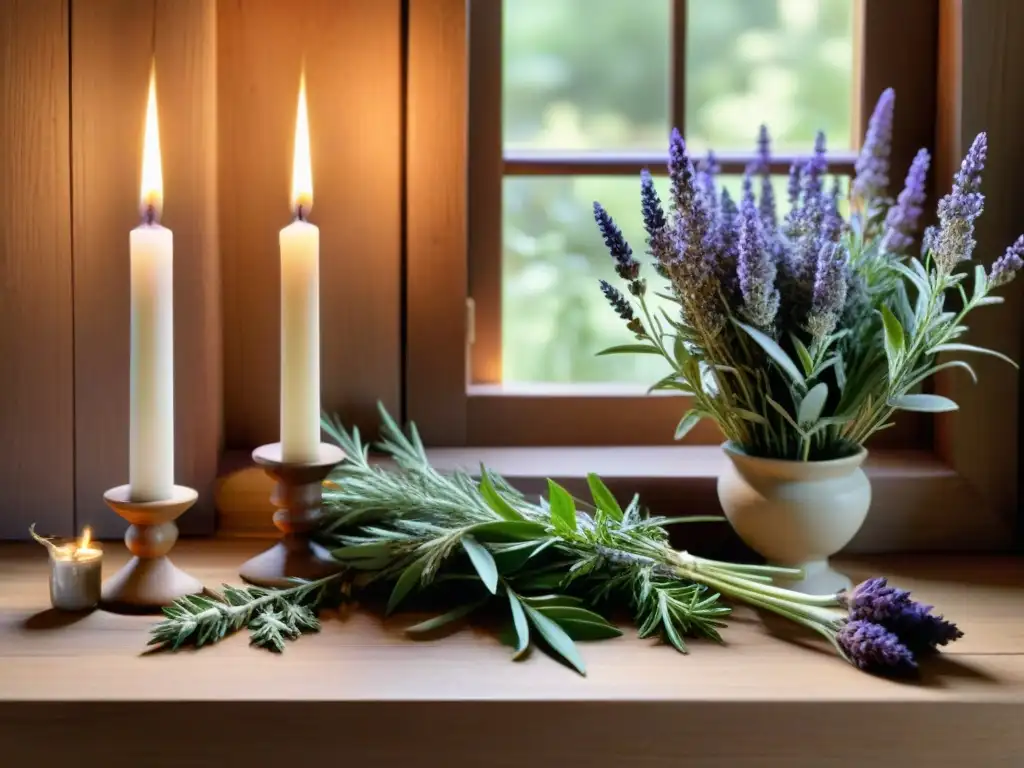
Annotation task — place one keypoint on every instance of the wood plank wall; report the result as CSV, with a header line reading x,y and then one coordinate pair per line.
x,y
36,474
355,135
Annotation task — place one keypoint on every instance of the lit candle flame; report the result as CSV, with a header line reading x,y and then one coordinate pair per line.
x,y
86,539
302,169
151,197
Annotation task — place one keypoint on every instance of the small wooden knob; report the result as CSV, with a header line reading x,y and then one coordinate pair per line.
x,y
151,540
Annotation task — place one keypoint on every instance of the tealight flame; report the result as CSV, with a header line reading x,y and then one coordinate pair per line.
x,y
302,168
86,539
151,197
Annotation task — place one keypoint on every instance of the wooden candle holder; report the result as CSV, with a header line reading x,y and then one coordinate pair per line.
x,y
297,496
149,580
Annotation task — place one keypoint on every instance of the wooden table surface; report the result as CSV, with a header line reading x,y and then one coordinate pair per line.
x,y
391,697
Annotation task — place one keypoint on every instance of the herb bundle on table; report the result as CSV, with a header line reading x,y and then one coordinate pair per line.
x,y
556,565
801,336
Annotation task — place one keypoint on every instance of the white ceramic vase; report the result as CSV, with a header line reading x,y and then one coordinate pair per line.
x,y
796,513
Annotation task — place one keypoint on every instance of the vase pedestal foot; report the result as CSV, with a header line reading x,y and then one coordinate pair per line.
x,y
819,578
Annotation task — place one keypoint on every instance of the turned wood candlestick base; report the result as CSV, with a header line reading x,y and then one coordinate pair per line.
x,y
149,580
297,496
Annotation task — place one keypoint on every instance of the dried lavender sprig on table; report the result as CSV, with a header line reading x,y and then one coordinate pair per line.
x,y
554,565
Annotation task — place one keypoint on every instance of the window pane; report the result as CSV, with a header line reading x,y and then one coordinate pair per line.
x,y
586,74
787,63
554,318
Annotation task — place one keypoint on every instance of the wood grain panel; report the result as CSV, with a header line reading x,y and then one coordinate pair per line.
x,y
111,48
982,89
36,471
436,219
352,59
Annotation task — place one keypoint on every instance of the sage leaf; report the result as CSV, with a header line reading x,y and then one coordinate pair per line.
x,y
895,342
980,283
812,405
482,561
689,421
603,498
923,403
774,351
516,530
556,637
445,618
840,370
494,499
972,348
519,622
589,630
563,510
626,349
410,578
539,601
559,612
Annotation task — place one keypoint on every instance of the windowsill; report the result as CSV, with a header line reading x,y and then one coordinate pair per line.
x,y
918,502
392,700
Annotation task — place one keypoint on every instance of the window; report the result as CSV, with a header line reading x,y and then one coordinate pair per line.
x,y
567,101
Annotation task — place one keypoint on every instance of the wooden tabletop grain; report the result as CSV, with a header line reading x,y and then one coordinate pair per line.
x,y
76,673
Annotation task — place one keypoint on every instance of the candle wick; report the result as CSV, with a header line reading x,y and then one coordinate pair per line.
x,y
300,212
149,215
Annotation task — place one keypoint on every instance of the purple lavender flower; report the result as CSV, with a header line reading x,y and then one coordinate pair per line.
x,y
877,602
902,219
814,171
762,165
626,266
659,241
829,297
728,217
831,220
680,172
872,166
1008,265
959,209
619,302
755,268
766,205
873,648
793,186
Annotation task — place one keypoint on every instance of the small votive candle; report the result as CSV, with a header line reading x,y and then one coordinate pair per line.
x,y
75,574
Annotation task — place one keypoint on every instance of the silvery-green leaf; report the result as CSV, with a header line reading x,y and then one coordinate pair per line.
x,y
679,349
923,403
519,621
920,282
785,414
589,630
985,301
972,348
556,637
775,352
894,339
688,422
906,314
812,405
918,267
943,366
980,282
483,562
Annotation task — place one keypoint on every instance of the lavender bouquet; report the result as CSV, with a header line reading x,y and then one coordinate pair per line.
x,y
801,335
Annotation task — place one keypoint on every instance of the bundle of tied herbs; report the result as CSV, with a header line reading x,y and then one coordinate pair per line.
x,y
801,337
556,565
